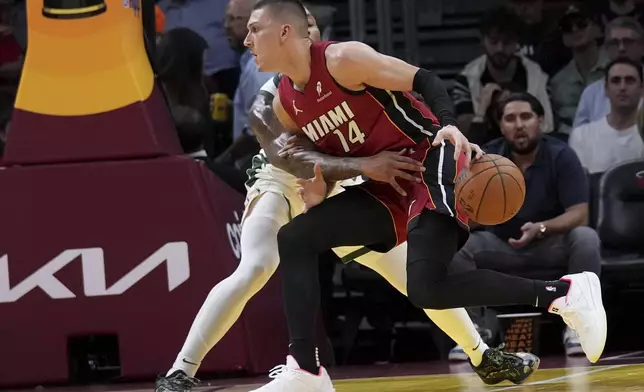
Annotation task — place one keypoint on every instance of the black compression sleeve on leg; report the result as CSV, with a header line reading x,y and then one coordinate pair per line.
x,y
431,244
431,87
353,217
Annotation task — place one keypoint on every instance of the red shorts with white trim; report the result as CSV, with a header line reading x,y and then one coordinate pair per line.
x,y
435,192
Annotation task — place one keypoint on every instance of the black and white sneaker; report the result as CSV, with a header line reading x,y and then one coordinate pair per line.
x,y
457,354
175,382
499,366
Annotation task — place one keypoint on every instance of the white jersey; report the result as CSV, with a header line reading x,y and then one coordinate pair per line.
x,y
264,177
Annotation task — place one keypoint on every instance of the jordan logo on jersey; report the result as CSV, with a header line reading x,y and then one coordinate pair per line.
x,y
297,111
331,121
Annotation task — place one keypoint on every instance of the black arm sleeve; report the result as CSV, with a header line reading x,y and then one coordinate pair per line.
x,y
431,87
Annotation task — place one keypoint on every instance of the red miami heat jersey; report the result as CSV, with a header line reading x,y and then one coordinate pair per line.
x,y
354,123
342,122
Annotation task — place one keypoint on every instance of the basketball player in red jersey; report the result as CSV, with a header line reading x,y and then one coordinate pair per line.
x,y
351,101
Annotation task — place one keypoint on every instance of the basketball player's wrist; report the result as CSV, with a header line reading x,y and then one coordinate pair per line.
x,y
361,165
435,95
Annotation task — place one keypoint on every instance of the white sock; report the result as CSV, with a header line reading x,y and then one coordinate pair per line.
x,y
185,365
226,300
456,323
476,353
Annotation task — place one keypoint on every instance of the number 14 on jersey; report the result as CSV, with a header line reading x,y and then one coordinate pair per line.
x,y
355,136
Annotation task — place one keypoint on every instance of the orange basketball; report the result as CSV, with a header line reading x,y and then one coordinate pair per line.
x,y
493,190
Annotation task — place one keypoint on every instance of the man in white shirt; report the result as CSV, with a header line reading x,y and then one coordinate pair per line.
x,y
614,138
624,38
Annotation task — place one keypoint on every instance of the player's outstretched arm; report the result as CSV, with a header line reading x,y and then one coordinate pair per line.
x,y
386,166
302,157
355,65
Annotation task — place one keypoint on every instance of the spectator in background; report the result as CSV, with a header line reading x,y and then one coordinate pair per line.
x,y
549,231
11,59
180,56
11,54
614,138
580,35
180,69
159,22
251,80
19,22
540,39
613,9
499,66
206,18
486,128
624,38
191,126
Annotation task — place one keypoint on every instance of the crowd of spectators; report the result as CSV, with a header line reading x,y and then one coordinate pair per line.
x,y
559,94
557,54
557,89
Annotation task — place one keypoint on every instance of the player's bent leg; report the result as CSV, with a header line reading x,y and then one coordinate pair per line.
x,y
351,218
454,322
491,364
432,243
227,299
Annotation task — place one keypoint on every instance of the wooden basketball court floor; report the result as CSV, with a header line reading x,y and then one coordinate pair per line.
x,y
603,378
617,373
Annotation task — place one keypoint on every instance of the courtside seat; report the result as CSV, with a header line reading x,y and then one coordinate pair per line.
x,y
129,248
594,180
620,222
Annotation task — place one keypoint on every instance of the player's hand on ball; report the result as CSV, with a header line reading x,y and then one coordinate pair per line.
x,y
529,231
313,191
478,152
386,166
460,142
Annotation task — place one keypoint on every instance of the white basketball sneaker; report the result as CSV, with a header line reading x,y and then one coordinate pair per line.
x,y
583,311
290,378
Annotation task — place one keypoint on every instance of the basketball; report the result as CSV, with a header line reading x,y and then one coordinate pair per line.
x,y
492,191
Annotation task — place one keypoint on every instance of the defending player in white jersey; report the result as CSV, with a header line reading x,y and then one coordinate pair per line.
x,y
272,200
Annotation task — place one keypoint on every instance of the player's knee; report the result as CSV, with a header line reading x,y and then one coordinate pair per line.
x,y
259,274
256,268
290,239
424,296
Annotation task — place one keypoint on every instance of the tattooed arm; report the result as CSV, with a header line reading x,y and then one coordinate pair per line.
x,y
272,136
273,133
304,159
